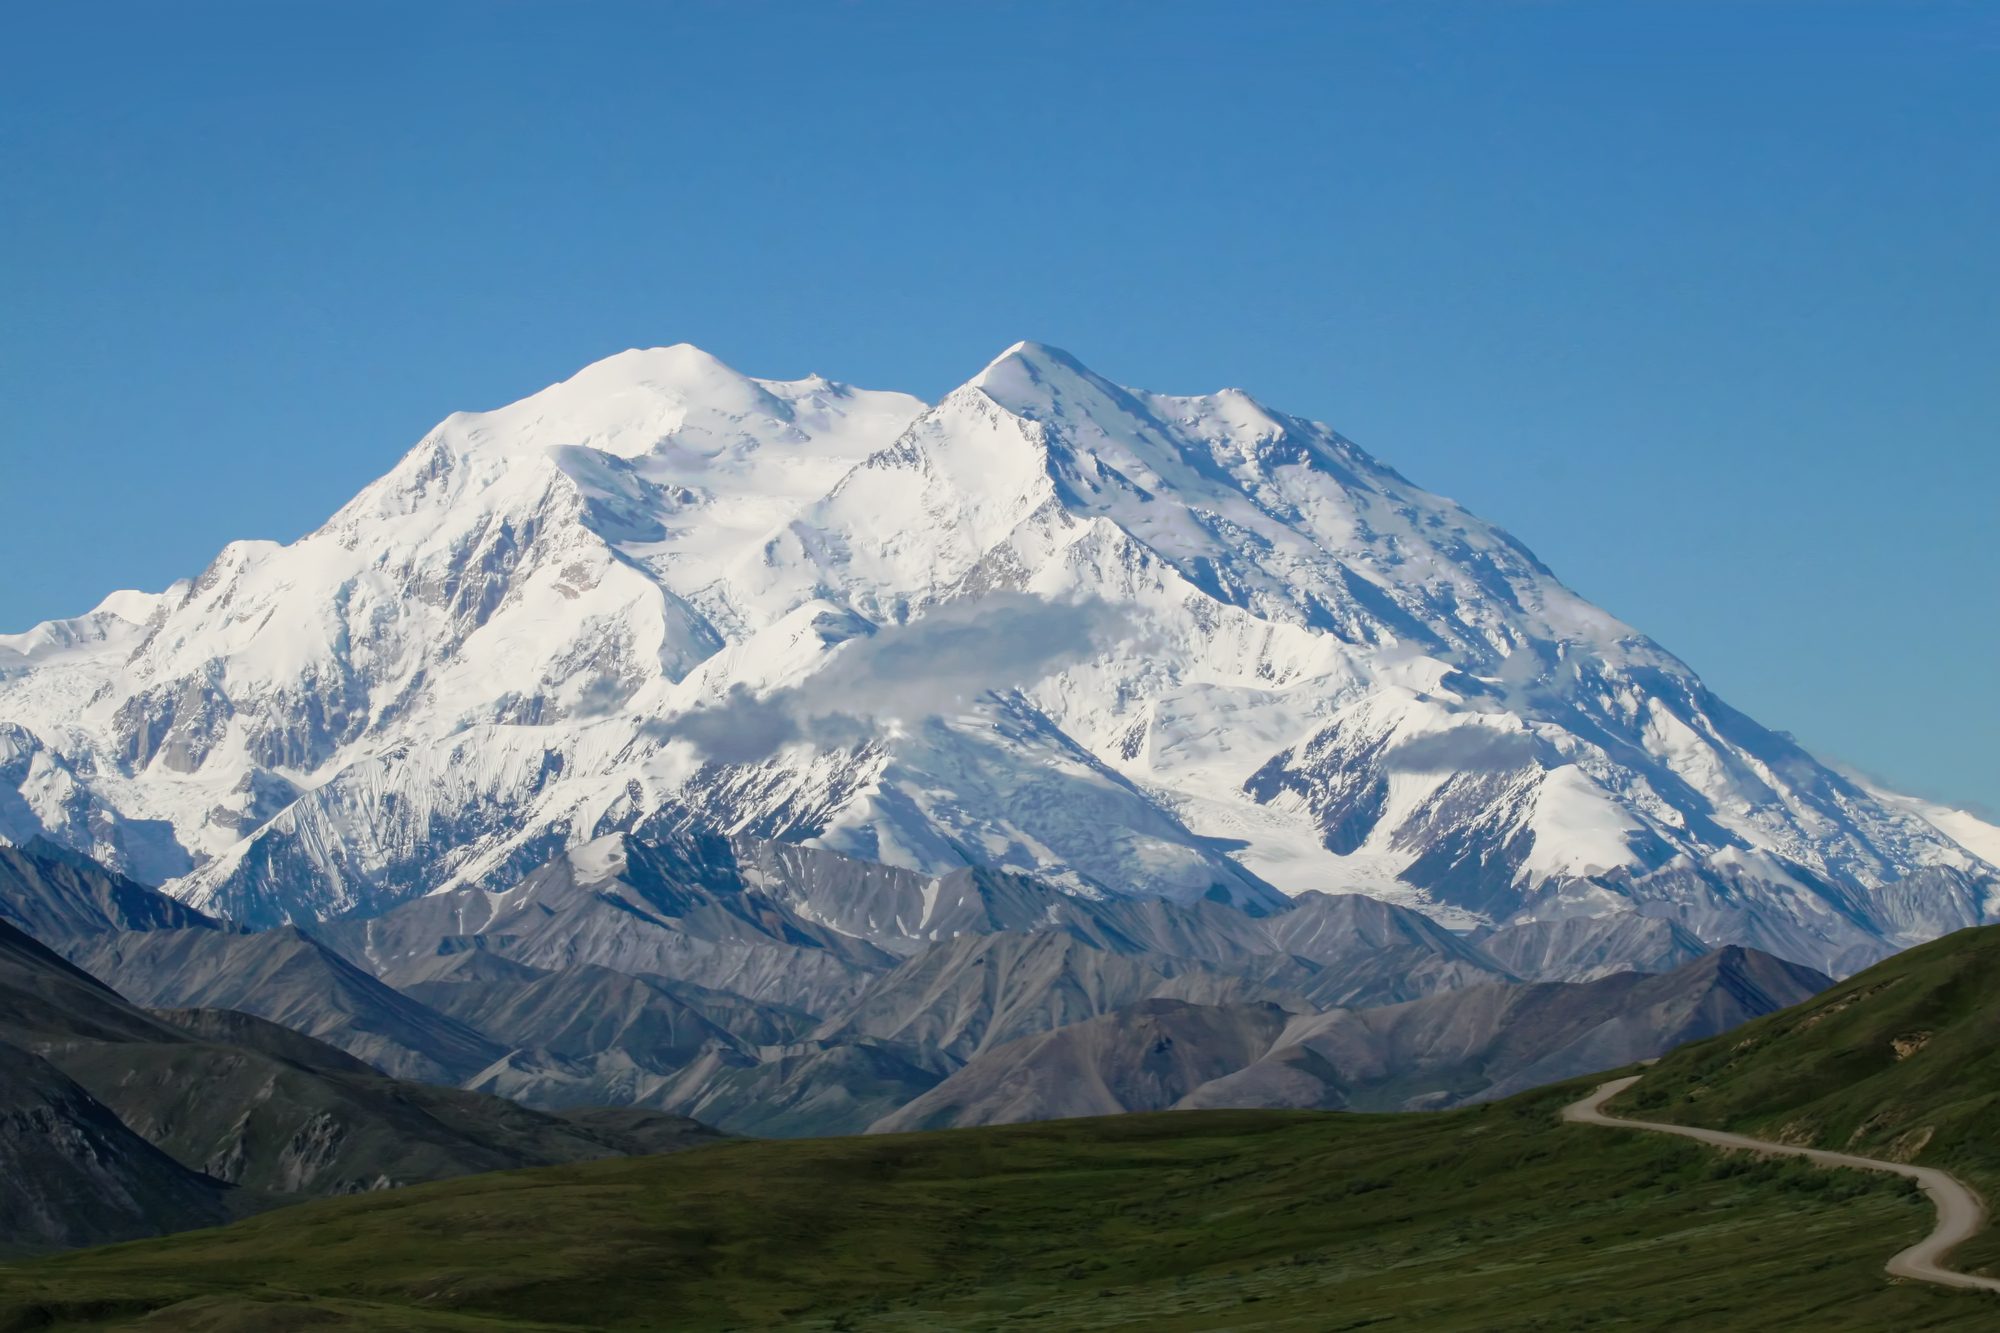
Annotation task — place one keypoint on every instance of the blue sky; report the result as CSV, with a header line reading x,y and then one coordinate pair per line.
x,y
1701,301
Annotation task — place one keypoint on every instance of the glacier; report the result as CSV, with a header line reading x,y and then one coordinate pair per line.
x,y
1132,643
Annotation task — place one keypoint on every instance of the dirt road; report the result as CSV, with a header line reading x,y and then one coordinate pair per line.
x,y
1960,1213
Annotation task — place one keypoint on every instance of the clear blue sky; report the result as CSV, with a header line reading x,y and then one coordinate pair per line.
x,y
1701,301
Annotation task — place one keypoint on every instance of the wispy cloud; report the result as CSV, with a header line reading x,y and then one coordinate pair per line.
x,y
1468,749
905,674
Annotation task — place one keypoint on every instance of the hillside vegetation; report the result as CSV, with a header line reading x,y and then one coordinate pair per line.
x,y
1489,1218
1900,1061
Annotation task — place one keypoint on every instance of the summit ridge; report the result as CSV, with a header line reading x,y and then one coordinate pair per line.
x,y
1182,645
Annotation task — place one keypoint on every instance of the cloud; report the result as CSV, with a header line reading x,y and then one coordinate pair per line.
x,y
906,674
1469,749
601,696
743,728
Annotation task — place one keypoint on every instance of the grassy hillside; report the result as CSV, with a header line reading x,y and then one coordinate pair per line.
x,y
1491,1218
1900,1061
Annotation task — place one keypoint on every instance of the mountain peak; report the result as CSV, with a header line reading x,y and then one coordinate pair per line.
x,y
1289,669
679,372
1030,353
1032,372
671,360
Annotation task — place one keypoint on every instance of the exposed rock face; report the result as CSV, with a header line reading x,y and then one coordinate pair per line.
x,y
72,1173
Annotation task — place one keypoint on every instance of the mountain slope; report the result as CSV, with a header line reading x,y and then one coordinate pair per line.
x,y
1373,953
1583,948
117,1123
634,906
1143,1058
1491,1041
45,997
1130,642
72,1173
806,1088
512,1001
56,896
1477,1043
1898,1061
1336,948
935,969
977,991
584,1011
281,1126
292,979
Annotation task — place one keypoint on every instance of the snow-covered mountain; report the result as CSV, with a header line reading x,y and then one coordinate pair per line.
x,y
1136,643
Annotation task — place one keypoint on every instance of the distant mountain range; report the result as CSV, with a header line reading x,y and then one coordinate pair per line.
x,y
704,983
1473,1044
1127,643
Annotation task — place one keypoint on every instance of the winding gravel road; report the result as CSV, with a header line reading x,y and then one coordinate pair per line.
x,y
1960,1213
